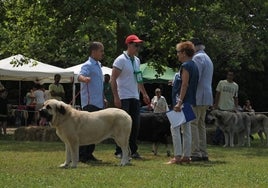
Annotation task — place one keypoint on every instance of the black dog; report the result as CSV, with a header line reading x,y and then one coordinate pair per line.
x,y
155,127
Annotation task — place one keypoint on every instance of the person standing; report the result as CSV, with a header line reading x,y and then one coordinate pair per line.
x,y
226,99
227,93
107,89
183,91
204,99
158,102
3,109
91,88
126,82
56,89
40,99
30,103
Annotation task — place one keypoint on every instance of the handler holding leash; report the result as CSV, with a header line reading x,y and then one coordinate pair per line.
x,y
91,87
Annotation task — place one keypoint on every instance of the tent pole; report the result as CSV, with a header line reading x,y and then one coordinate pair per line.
x,y
73,103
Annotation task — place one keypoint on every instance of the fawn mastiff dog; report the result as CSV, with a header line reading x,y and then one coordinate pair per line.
x,y
77,128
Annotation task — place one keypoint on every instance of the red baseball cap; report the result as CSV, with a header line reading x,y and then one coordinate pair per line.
x,y
133,38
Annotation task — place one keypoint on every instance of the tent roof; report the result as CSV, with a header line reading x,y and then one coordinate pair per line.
x,y
31,70
151,76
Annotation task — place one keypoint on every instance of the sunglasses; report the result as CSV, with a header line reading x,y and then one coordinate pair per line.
x,y
135,44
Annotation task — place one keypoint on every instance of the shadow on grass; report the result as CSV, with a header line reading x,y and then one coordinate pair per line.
x,y
208,163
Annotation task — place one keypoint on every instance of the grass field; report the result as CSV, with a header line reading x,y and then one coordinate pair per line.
x,y
35,164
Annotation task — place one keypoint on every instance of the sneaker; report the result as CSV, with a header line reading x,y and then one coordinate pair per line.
x,y
136,155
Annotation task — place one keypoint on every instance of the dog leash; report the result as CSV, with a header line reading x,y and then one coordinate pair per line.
x,y
71,102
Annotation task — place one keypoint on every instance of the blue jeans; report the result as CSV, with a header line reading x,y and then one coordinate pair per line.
x,y
132,107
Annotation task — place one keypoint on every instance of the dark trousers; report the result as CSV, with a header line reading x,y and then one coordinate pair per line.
x,y
218,138
132,107
86,151
31,112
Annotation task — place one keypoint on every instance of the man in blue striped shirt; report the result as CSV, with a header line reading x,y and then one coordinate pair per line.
x,y
91,91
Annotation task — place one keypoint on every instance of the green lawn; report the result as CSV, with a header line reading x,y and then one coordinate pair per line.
x,y
35,164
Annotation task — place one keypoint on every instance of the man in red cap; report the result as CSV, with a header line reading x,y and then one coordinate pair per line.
x,y
126,82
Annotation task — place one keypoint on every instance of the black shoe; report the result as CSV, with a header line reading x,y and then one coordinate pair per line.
x,y
205,159
136,155
92,158
83,160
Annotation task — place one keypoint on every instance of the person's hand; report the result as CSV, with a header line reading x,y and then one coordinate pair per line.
x,y
146,99
87,79
177,108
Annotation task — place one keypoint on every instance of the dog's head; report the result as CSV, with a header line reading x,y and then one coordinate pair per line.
x,y
51,109
212,116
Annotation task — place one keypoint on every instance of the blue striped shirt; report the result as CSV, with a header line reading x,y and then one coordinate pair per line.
x,y
92,92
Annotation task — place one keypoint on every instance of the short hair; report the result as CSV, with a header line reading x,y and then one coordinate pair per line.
x,y
57,75
94,46
187,47
157,90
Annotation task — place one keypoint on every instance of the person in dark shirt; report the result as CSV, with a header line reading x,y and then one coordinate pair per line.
x,y
3,111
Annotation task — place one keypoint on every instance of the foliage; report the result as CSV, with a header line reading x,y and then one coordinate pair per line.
x,y
58,32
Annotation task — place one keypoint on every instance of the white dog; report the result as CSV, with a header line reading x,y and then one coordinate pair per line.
x,y
231,123
77,128
259,124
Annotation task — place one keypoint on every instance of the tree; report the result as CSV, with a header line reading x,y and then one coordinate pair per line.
x,y
58,32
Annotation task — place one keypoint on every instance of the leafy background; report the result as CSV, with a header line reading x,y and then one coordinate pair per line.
x,y
58,33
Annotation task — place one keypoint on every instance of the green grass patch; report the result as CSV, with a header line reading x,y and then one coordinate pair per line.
x,y
35,164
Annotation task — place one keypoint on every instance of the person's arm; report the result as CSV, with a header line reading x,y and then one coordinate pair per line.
x,y
236,102
84,79
145,96
184,87
115,74
236,98
217,95
217,98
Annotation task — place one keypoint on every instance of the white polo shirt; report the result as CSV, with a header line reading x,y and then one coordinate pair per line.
x,y
127,85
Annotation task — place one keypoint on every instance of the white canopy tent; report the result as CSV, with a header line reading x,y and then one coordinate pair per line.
x,y
26,69
21,68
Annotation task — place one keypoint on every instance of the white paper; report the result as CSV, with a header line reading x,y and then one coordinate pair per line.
x,y
176,118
